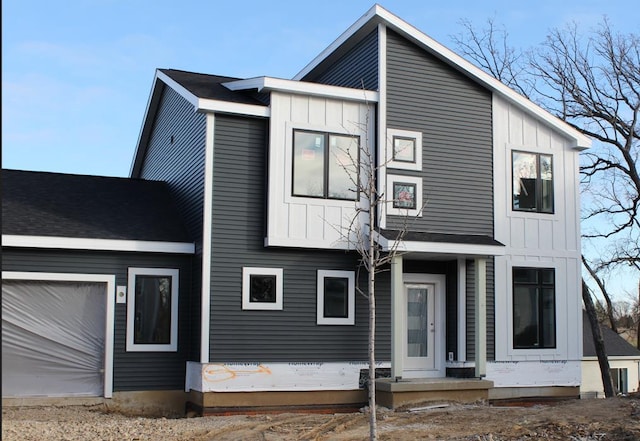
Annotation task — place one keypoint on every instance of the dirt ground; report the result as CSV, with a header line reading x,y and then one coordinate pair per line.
x,y
577,420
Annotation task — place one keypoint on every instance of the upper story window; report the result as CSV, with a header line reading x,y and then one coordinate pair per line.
x,y
532,182
325,165
152,309
534,308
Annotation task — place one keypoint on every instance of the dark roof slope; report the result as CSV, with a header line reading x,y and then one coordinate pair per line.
x,y
613,343
422,236
210,87
81,206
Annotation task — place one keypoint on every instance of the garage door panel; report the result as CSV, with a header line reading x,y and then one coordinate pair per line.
x,y
53,338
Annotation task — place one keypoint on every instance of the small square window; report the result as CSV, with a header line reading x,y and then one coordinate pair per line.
x,y
404,149
152,309
336,297
262,288
404,195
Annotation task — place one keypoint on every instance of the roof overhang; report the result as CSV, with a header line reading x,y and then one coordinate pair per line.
x,y
440,244
301,87
73,243
378,15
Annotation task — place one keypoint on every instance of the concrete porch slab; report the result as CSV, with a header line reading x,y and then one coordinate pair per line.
x,y
394,394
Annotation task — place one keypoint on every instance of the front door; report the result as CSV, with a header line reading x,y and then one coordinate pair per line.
x,y
420,330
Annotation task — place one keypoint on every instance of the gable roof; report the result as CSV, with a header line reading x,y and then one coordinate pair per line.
x,y
378,15
615,345
88,207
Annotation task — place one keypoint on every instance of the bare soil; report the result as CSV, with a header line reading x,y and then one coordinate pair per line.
x,y
577,420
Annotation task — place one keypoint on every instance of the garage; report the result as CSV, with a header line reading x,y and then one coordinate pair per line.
x,y
54,336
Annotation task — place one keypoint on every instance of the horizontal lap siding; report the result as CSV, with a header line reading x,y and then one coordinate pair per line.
x,y
180,162
454,116
132,370
358,68
175,154
238,240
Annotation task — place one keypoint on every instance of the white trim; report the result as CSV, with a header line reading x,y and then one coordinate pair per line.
x,y
382,116
247,304
480,316
75,243
110,280
403,165
580,141
388,203
634,358
397,311
172,346
302,87
207,234
440,247
462,310
209,105
351,298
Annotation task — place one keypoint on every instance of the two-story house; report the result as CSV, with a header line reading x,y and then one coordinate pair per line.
x,y
256,303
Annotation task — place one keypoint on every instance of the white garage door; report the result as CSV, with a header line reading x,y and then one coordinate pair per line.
x,y
53,338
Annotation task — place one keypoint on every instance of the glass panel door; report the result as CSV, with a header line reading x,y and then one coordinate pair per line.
x,y
420,327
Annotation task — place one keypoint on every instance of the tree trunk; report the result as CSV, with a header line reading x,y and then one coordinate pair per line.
x,y
373,425
598,342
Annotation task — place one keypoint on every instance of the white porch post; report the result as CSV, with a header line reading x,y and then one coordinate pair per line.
x,y
397,306
481,316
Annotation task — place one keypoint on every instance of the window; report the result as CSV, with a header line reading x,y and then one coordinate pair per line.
x,y
534,311
336,297
619,377
405,195
532,182
262,288
404,149
152,309
325,165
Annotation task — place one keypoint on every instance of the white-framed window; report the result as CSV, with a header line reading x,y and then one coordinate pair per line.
x,y
532,182
404,149
152,310
336,297
404,195
325,165
262,288
534,308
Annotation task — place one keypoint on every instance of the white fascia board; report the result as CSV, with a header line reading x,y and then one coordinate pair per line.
x,y
440,247
181,90
218,106
303,88
633,358
581,141
74,243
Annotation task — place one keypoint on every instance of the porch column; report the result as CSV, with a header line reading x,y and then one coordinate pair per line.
x,y
481,316
396,314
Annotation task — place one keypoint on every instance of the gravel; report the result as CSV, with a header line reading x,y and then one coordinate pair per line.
x,y
95,423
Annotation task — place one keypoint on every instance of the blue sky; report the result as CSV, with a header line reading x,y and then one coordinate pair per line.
x,y
76,74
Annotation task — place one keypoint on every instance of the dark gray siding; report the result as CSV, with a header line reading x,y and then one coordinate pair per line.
x,y
132,370
454,116
175,154
238,237
357,68
471,343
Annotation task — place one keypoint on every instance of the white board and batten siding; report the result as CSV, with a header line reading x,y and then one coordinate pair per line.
x,y
301,221
537,239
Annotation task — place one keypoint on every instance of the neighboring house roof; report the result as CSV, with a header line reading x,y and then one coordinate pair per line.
x,y
377,15
92,207
615,345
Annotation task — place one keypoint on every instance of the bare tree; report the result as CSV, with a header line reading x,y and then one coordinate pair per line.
x,y
610,310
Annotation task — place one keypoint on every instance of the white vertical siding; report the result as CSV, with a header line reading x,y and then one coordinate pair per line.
x,y
309,222
537,239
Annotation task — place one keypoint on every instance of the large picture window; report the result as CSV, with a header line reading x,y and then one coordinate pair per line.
x,y
534,308
152,309
325,165
532,182
336,297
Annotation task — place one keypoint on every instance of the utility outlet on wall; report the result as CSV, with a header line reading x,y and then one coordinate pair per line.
x,y
450,356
